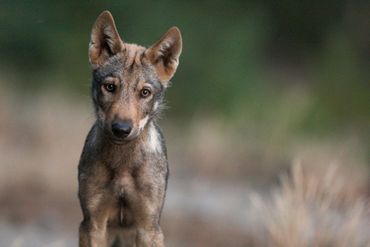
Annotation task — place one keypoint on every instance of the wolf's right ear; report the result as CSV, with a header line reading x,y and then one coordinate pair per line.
x,y
105,40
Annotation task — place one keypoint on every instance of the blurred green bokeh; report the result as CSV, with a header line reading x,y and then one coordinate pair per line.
x,y
241,59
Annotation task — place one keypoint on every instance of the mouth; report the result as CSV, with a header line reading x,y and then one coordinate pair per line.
x,y
120,141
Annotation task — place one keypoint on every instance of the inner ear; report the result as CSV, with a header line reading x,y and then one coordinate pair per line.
x,y
165,53
105,40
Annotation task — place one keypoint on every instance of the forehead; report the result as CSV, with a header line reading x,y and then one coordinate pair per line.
x,y
129,65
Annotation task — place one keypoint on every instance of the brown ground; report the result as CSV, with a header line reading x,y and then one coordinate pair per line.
x,y
227,188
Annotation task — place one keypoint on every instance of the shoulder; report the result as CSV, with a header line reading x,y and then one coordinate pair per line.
x,y
89,150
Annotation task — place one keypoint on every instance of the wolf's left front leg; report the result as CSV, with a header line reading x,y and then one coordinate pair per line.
x,y
149,232
149,237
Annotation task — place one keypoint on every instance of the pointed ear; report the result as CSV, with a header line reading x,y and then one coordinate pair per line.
x,y
105,40
165,53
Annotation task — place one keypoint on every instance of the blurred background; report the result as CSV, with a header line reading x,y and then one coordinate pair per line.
x,y
267,123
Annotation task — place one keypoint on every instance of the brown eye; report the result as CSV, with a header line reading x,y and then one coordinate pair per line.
x,y
145,92
110,87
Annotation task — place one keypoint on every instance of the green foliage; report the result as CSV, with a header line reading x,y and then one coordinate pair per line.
x,y
233,52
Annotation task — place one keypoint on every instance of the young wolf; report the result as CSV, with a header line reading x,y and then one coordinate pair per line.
x,y
123,168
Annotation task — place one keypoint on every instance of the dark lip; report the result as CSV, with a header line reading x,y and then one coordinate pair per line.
x,y
120,141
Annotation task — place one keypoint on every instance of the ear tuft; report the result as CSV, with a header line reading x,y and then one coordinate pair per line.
x,y
105,40
165,53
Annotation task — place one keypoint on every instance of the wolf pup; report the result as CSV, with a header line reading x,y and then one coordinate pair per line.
x,y
123,168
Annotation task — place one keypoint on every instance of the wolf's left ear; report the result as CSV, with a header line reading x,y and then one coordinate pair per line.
x,y
105,40
165,53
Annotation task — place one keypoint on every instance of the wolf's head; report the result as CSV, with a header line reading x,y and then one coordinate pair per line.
x,y
129,80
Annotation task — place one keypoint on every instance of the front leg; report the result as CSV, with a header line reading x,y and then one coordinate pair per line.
x,y
93,228
151,236
93,233
149,232
151,188
96,205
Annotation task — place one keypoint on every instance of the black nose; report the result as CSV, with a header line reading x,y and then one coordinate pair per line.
x,y
121,129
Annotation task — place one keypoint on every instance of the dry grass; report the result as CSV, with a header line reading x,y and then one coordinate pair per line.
x,y
316,208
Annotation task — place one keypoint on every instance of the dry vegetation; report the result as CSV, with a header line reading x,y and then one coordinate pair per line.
x,y
322,207
224,189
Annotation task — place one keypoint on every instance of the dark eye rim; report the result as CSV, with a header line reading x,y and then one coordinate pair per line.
x,y
109,87
145,92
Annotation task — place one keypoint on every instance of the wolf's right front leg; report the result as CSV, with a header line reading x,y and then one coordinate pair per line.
x,y
93,233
